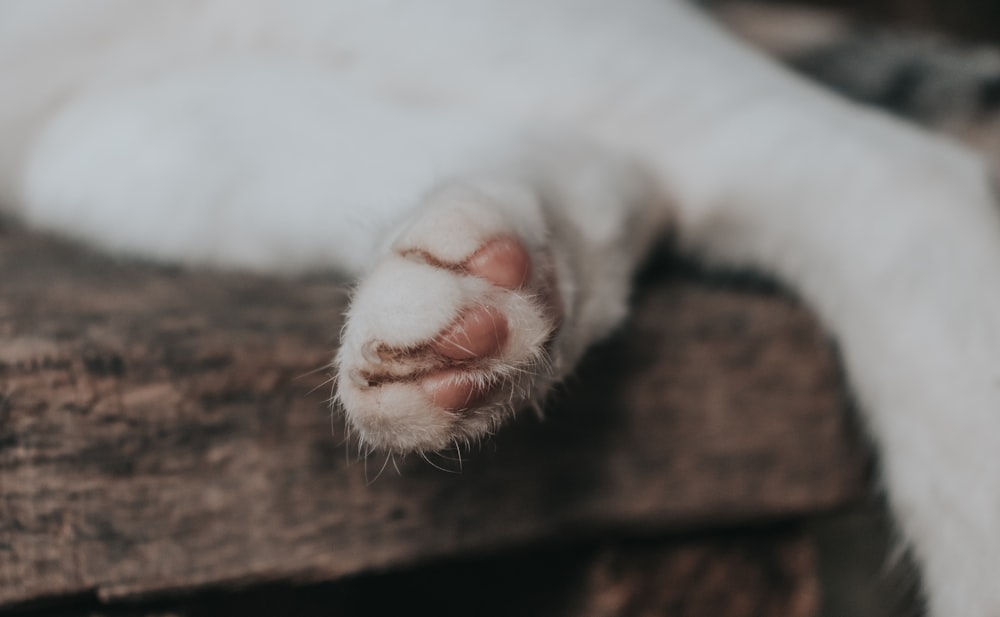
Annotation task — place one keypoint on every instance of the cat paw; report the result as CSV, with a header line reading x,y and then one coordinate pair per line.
x,y
446,338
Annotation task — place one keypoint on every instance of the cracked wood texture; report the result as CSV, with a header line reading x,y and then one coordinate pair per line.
x,y
758,574
165,430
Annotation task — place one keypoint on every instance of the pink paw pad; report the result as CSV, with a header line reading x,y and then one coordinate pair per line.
x,y
448,390
479,331
502,261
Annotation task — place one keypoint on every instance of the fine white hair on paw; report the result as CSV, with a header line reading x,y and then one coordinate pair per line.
x,y
449,334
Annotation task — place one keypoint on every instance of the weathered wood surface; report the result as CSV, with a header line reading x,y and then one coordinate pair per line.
x,y
161,429
751,574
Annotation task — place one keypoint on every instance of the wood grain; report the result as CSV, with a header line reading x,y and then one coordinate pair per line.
x,y
163,429
768,573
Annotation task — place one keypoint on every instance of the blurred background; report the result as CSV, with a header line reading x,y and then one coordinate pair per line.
x,y
975,20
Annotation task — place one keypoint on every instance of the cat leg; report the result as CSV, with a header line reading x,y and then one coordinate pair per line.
x,y
892,236
264,165
489,293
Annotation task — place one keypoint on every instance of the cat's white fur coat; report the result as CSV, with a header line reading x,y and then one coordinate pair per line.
x,y
433,149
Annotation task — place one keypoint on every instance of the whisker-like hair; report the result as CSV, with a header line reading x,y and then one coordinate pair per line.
x,y
458,453
427,460
325,367
451,340
329,380
385,464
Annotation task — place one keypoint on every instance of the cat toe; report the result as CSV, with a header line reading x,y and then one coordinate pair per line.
x,y
479,332
502,261
453,391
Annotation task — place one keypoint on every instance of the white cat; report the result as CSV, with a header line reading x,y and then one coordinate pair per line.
x,y
493,170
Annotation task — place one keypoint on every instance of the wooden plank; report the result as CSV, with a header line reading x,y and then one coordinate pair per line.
x,y
750,574
771,574
163,429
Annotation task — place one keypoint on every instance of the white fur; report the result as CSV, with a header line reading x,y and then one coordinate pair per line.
x,y
286,135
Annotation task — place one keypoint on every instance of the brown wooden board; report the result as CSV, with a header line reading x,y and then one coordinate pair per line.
x,y
163,429
752,573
